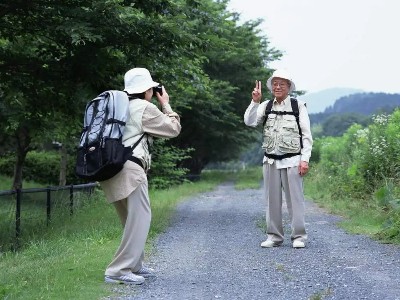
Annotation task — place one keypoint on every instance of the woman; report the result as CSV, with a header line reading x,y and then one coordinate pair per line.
x,y
128,190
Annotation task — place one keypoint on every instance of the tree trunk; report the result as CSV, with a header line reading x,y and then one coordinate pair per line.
x,y
195,165
23,143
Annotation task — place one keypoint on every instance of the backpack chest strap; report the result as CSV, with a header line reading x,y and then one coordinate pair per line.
x,y
111,120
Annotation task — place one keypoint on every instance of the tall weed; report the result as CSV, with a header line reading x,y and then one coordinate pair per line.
x,y
360,170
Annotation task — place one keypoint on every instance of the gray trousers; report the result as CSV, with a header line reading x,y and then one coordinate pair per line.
x,y
291,182
135,215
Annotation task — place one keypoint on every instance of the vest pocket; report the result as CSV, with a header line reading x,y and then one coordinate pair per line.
x,y
289,143
268,143
289,138
269,136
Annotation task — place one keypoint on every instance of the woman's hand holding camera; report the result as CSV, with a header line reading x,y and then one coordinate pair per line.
x,y
162,98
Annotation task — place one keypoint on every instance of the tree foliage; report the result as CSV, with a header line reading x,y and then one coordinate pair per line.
x,y
57,55
336,125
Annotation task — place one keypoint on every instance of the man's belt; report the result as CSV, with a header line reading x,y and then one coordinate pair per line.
x,y
136,161
280,157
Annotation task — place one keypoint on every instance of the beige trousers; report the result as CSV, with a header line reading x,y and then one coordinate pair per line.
x,y
135,215
291,182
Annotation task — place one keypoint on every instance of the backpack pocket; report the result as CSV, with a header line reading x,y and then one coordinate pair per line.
x,y
99,163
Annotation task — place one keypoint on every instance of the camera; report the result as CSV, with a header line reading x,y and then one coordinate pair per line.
x,y
158,89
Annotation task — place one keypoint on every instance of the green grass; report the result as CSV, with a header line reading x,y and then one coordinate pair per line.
x,y
67,259
6,183
33,214
249,178
361,215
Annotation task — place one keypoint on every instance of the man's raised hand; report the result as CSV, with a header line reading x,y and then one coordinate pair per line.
x,y
256,94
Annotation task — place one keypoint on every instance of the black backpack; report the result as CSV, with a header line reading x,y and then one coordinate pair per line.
x,y
101,154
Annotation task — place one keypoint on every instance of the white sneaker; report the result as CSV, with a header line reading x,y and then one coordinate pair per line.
x,y
145,272
298,244
269,244
125,279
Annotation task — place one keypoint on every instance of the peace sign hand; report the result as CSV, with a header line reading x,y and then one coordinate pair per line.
x,y
256,94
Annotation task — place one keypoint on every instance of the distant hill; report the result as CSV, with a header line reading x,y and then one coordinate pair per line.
x,y
319,101
365,103
362,104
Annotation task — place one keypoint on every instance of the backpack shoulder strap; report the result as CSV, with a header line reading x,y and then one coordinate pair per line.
x,y
295,107
129,150
268,109
296,113
138,141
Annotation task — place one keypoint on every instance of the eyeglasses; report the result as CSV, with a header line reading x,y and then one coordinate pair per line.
x,y
275,84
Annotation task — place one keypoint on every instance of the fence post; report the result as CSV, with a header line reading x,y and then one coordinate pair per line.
x,y
48,205
17,220
71,200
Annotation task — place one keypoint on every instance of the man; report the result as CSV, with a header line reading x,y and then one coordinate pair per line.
x,y
128,190
287,144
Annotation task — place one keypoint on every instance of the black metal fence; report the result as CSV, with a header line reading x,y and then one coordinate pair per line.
x,y
16,198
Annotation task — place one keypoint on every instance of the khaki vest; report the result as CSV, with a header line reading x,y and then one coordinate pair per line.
x,y
281,133
134,130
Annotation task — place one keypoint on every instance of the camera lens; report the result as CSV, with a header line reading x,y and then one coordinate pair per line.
x,y
158,89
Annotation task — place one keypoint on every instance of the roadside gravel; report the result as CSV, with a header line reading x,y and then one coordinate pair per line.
x,y
212,251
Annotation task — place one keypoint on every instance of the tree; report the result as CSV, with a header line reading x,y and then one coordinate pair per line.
x,y
54,56
57,55
43,47
336,125
235,56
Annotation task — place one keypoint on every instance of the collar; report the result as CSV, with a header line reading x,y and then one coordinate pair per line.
x,y
284,102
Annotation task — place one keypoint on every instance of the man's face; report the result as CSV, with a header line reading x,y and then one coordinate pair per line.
x,y
280,88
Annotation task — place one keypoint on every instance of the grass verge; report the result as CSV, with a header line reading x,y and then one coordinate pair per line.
x,y
67,259
360,216
249,178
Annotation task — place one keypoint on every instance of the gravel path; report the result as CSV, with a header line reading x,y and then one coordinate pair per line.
x,y
212,251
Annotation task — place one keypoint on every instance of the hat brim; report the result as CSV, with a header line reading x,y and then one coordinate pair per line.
x,y
269,83
140,89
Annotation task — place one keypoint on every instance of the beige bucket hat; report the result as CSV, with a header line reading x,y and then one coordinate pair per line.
x,y
138,80
284,75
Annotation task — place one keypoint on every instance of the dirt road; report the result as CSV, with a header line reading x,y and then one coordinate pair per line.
x,y
212,251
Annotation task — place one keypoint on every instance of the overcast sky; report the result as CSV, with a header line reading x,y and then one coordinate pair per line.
x,y
336,43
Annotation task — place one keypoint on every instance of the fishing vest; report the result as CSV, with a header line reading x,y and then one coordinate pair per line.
x,y
282,136
134,132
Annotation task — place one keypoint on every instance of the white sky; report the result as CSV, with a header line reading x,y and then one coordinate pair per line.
x,y
332,43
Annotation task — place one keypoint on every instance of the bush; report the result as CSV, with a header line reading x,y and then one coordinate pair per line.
x,y
363,166
44,166
164,171
316,151
40,166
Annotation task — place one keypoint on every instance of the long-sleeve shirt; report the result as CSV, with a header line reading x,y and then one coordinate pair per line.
x,y
146,118
255,114
165,124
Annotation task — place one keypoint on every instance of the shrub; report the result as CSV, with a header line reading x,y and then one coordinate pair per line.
x,y
164,170
40,166
364,165
44,166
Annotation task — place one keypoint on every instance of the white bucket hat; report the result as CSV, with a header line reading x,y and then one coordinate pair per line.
x,y
284,75
138,80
